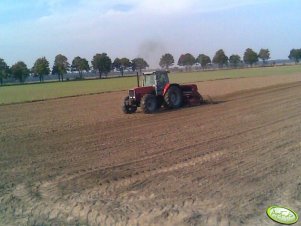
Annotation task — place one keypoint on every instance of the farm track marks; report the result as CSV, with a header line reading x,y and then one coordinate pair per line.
x,y
220,164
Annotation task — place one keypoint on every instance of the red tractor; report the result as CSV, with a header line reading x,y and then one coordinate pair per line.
x,y
156,91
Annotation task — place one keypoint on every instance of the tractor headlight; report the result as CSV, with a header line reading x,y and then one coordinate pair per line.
x,y
131,93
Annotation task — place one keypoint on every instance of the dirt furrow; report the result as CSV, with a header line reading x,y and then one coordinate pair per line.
x,y
220,164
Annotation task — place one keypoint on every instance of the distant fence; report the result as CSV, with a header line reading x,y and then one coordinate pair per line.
x,y
210,67
69,77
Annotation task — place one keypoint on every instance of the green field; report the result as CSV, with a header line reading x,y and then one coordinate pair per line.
x,y
34,92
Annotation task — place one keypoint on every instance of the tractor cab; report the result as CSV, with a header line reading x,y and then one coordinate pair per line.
x,y
157,79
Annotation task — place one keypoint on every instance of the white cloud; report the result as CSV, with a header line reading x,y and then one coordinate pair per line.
x,y
129,28
149,6
186,6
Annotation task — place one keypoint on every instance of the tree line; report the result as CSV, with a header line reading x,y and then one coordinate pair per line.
x,y
103,64
250,57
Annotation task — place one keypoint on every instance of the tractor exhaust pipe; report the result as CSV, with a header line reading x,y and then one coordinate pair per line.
x,y
137,79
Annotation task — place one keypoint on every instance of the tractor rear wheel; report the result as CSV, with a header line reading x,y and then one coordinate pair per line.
x,y
148,103
127,108
173,97
160,101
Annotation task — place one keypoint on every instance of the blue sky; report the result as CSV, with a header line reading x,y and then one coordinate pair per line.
x,y
146,28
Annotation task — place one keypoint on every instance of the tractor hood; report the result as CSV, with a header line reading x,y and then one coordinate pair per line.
x,y
138,92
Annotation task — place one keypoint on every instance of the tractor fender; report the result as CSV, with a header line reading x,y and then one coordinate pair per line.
x,y
168,85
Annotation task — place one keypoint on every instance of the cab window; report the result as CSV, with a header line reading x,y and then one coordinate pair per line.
x,y
162,78
149,80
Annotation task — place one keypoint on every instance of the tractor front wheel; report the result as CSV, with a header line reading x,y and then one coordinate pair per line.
x,y
173,97
127,108
148,103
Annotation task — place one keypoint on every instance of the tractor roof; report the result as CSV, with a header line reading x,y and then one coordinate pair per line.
x,y
149,73
154,72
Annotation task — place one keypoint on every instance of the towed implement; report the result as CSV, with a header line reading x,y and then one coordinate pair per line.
x,y
156,91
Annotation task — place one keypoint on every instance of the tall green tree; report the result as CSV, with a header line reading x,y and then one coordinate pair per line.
x,y
61,66
4,71
20,71
80,64
264,55
121,64
186,60
166,61
41,68
139,64
117,64
234,60
250,57
204,60
102,63
295,55
125,64
220,58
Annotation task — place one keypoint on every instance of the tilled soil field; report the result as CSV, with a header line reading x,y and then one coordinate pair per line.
x,y
80,161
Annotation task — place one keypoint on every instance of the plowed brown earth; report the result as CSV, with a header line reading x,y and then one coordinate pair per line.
x,y
80,161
